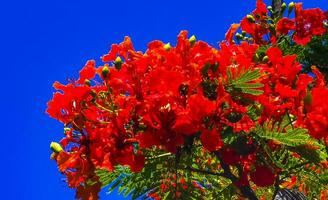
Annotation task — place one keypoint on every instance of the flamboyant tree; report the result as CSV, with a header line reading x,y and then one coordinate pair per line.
x,y
247,119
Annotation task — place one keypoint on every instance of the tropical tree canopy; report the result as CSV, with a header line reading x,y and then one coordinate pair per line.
x,y
245,119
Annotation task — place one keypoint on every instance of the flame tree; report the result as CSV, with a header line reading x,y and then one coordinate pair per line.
x,y
246,119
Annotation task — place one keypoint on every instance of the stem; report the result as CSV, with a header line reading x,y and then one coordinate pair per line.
x,y
276,6
159,156
102,107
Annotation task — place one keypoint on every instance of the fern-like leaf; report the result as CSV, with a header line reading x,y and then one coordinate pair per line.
x,y
246,82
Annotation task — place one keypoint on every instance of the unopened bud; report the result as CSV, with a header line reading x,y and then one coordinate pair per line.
x,y
239,36
105,71
87,82
167,46
250,18
325,23
55,147
66,129
258,109
291,6
118,63
270,9
265,59
192,40
256,57
283,7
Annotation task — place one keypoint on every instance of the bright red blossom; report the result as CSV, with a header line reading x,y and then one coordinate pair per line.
x,y
309,23
174,99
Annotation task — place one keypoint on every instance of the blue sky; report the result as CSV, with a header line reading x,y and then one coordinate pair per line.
x,y
45,41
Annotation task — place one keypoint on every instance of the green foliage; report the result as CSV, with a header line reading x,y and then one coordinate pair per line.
x,y
294,139
315,179
288,47
138,184
159,168
290,140
245,82
316,53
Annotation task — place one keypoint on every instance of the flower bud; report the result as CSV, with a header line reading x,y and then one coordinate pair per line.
x,y
192,40
259,109
265,59
283,7
87,82
105,71
291,6
325,23
270,9
167,46
66,129
118,63
239,36
55,147
256,57
250,18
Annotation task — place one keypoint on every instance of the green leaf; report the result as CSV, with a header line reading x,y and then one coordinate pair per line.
x,y
291,138
294,139
246,82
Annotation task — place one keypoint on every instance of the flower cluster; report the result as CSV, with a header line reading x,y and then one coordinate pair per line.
x,y
135,102
306,24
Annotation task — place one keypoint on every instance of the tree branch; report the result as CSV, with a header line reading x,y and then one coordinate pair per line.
x,y
245,190
276,7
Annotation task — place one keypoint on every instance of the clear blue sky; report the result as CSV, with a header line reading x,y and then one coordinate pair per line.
x,y
44,41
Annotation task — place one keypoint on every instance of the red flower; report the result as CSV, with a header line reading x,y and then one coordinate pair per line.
x,y
122,49
317,113
76,169
231,32
258,26
230,156
88,72
211,140
309,23
261,8
263,176
284,25
88,192
285,91
184,124
274,54
66,106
